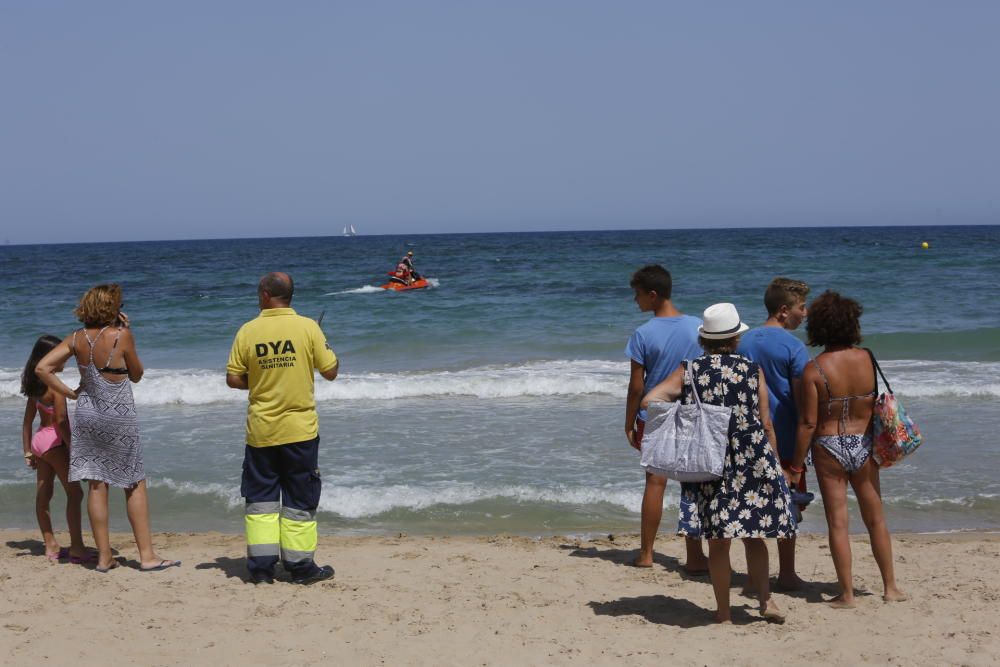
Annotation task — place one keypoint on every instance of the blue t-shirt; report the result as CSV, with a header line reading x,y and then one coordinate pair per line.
x,y
782,357
660,345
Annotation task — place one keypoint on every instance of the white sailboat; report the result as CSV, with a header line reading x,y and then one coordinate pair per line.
x,y
350,231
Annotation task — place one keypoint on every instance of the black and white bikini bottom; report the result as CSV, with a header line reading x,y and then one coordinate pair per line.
x,y
851,449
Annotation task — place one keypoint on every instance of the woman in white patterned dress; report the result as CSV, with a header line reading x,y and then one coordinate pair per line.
x,y
106,448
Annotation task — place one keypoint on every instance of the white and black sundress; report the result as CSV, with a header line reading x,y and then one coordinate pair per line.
x,y
106,445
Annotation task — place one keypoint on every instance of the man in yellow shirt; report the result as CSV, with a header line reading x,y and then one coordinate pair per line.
x,y
273,356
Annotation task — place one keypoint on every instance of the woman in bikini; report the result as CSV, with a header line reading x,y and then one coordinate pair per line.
x,y
106,448
47,452
835,422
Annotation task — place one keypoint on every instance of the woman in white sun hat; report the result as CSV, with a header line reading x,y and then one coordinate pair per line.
x,y
751,500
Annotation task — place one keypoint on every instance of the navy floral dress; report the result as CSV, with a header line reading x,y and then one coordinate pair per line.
x,y
751,499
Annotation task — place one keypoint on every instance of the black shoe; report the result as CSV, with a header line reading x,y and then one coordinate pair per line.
x,y
319,574
262,578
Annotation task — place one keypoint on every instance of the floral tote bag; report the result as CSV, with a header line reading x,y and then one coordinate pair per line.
x,y
894,436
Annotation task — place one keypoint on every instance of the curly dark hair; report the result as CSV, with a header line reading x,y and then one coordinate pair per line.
x,y
834,320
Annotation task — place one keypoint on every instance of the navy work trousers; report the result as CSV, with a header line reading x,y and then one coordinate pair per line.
x,y
281,485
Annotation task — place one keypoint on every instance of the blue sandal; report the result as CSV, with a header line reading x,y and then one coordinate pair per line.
x,y
164,564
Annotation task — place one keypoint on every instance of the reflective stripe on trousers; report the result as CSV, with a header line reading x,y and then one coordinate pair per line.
x,y
298,535
263,529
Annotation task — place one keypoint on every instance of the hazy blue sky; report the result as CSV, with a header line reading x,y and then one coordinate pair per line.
x,y
135,120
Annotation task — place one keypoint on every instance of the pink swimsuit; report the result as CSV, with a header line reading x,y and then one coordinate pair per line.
x,y
47,437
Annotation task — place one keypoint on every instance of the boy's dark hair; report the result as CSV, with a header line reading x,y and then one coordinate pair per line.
x,y
784,292
653,278
31,385
834,320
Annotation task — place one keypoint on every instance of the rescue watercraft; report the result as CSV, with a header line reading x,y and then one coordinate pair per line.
x,y
399,287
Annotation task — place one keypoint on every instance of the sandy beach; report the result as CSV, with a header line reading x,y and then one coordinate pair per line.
x,y
488,601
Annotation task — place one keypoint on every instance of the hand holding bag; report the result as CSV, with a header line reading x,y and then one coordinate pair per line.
x,y
894,435
686,442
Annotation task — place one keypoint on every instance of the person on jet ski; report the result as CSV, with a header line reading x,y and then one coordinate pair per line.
x,y
408,261
404,271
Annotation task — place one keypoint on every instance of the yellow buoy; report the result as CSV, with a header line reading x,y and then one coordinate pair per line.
x,y
925,245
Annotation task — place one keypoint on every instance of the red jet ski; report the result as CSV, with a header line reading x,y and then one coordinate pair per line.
x,y
400,287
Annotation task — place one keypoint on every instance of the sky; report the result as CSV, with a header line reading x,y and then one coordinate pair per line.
x,y
132,120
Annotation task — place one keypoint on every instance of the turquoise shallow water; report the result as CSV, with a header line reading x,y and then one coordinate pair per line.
x,y
493,401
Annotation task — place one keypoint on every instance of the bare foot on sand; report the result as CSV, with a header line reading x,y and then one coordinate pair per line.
x,y
56,553
723,618
771,613
895,595
113,564
840,602
638,561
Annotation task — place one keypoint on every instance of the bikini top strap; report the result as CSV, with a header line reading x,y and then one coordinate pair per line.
x,y
879,372
92,343
114,346
845,401
829,392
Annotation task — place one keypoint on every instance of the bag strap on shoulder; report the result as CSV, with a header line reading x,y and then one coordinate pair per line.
x,y
689,378
879,372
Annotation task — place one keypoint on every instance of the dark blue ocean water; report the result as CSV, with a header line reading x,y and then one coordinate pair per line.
x,y
493,400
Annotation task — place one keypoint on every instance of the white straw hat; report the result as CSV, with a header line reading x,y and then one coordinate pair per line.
x,y
721,321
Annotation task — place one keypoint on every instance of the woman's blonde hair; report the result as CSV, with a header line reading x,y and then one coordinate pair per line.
x,y
100,305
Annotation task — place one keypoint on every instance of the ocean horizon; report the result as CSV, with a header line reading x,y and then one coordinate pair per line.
x,y
720,228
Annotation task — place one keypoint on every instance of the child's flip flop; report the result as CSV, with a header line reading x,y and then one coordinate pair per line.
x,y
164,564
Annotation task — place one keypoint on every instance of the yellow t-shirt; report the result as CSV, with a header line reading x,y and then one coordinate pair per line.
x,y
277,352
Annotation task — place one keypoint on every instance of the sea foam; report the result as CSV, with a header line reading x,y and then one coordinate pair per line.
x,y
374,289
360,502
369,501
924,379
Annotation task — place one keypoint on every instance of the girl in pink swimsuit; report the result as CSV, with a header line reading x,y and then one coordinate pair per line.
x,y
47,451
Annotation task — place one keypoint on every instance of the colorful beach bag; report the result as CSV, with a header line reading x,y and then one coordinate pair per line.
x,y
894,436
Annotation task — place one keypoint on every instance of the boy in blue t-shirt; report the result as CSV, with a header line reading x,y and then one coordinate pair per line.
x,y
783,358
656,349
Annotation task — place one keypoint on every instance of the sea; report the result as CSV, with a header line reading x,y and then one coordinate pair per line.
x,y
493,401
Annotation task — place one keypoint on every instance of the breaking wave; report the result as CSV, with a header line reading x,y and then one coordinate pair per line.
x,y
945,379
